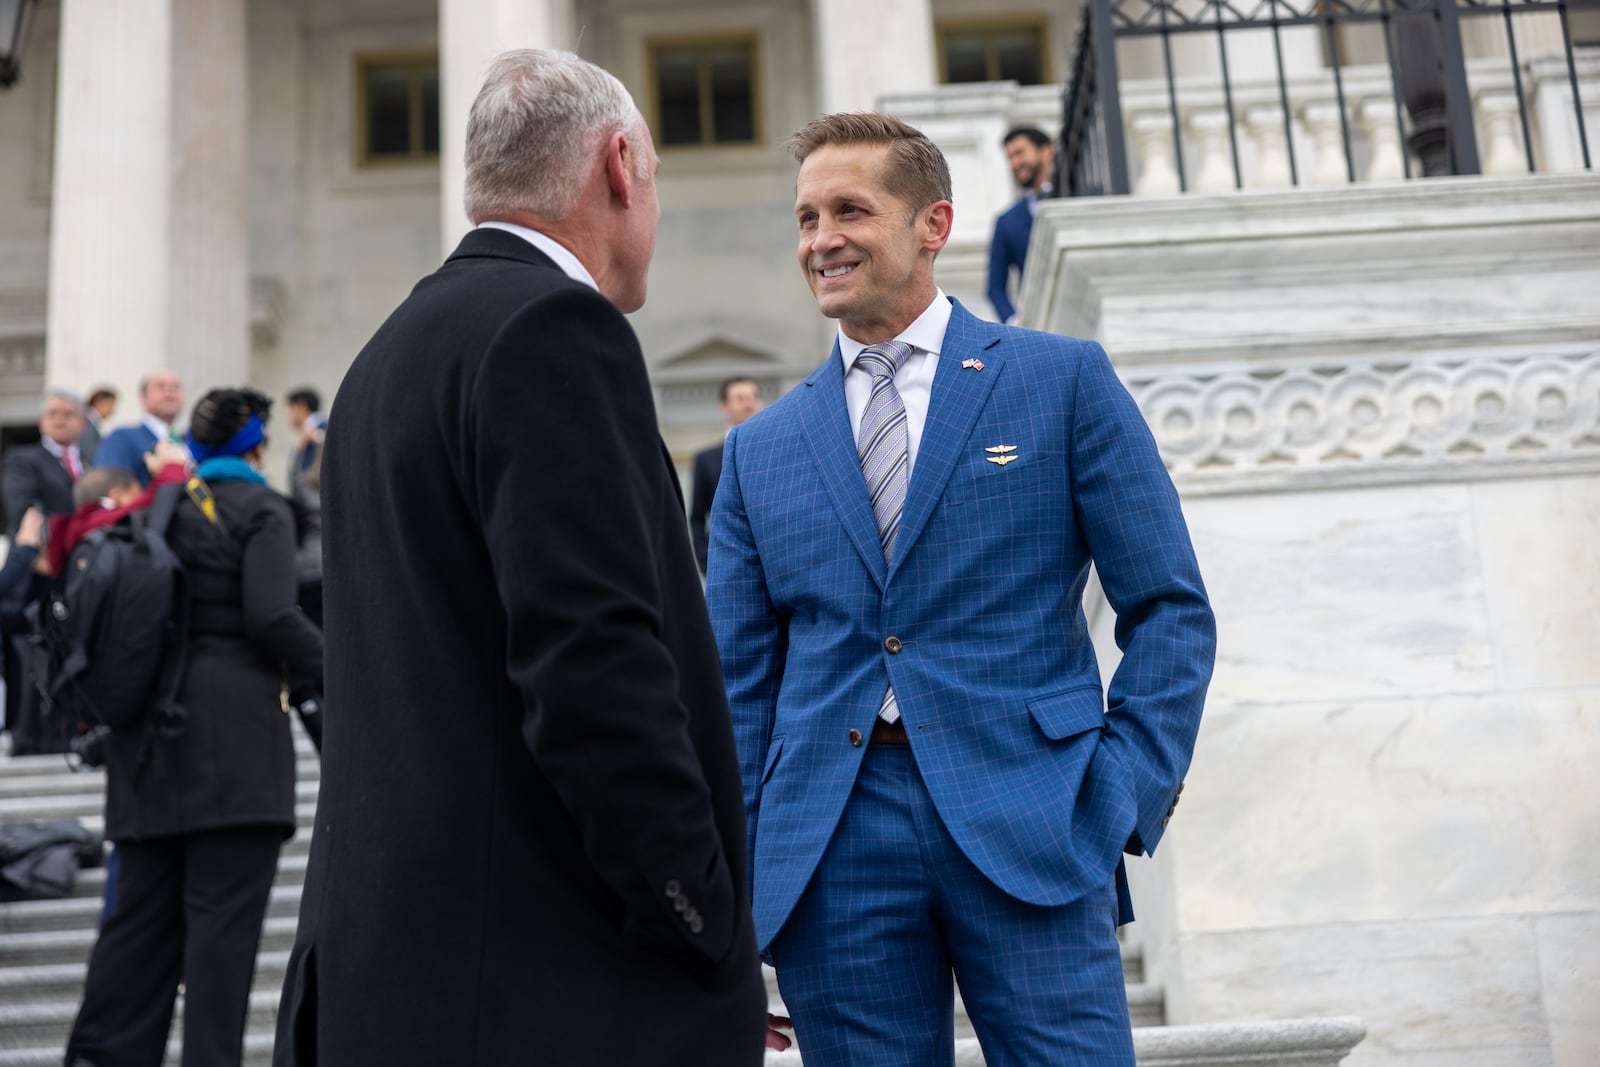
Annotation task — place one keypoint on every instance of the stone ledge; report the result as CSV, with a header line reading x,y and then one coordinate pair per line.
x,y
1279,1043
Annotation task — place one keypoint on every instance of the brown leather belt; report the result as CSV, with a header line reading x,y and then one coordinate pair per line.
x,y
889,733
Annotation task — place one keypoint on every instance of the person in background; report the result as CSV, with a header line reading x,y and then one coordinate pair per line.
x,y
105,494
1032,160
198,817
161,396
739,398
305,495
42,476
97,412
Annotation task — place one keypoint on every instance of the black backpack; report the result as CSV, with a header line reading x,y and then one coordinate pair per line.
x,y
110,641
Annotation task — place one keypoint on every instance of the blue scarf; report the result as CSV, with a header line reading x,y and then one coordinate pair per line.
x,y
229,469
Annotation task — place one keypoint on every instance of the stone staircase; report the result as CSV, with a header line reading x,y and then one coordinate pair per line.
x,y
44,947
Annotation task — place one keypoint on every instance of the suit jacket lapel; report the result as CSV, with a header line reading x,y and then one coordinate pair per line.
x,y
959,394
826,422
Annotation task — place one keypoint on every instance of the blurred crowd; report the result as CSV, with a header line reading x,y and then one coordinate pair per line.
x,y
87,471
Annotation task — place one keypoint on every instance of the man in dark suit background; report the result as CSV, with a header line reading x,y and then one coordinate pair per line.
x,y
529,839
1031,156
43,474
40,476
161,396
739,398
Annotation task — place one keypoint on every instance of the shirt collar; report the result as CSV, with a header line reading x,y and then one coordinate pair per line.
x,y
52,446
569,263
925,333
162,430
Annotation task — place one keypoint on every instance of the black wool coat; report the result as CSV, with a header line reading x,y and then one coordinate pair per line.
x,y
232,765
529,843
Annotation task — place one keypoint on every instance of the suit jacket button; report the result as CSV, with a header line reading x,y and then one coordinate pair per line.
x,y
697,925
1165,821
673,888
893,645
855,738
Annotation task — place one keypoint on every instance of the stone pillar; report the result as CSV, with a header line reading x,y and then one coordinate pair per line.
x,y
149,260
471,34
866,50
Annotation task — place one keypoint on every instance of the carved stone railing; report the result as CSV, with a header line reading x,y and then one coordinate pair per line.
x,y
1316,130
1320,422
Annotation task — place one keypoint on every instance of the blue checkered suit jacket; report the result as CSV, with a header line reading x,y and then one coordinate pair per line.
x,y
1040,781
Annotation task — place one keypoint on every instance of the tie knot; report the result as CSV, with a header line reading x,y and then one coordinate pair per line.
x,y
883,360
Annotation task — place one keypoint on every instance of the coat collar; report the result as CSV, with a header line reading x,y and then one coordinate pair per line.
x,y
959,394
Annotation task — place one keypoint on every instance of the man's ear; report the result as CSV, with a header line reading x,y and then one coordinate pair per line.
x,y
620,168
935,223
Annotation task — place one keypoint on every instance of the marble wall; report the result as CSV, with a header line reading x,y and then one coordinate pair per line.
x,y
1392,811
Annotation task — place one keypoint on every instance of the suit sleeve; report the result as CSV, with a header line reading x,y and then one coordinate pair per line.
x,y
267,593
752,635
1130,515
573,496
1000,272
19,488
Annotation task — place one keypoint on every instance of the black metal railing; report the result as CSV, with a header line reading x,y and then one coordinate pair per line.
x,y
1422,46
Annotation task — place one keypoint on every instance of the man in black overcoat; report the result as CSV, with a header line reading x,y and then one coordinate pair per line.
x,y
529,843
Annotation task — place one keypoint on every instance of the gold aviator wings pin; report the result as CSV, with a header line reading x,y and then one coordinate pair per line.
x,y
1001,454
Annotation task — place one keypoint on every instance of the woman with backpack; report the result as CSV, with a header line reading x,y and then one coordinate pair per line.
x,y
199,809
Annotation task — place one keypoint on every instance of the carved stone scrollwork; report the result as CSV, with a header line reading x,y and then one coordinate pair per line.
x,y
1322,423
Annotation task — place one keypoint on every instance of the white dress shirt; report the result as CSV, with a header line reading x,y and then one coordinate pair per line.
x,y
569,264
913,381
162,430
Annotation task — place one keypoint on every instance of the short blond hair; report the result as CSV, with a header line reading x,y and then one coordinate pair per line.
x,y
917,172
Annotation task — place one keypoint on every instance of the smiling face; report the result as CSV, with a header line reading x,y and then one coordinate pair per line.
x,y
867,256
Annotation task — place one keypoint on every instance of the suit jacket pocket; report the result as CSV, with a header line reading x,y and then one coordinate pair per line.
x,y
1071,711
976,480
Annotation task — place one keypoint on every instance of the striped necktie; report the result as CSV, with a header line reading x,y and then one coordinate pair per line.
x,y
884,446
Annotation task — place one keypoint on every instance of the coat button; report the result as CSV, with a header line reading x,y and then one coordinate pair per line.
x,y
697,925
855,738
893,645
673,888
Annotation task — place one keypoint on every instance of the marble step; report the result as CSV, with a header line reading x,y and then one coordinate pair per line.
x,y
36,776
83,912
89,808
72,946
34,1025
1281,1043
257,1053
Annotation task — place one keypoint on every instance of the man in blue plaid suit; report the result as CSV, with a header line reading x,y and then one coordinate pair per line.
x,y
934,782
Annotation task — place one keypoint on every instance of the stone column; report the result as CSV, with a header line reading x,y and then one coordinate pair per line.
x,y
865,50
149,259
471,34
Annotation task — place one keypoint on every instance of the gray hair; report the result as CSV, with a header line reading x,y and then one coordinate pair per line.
x,y
61,394
533,131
